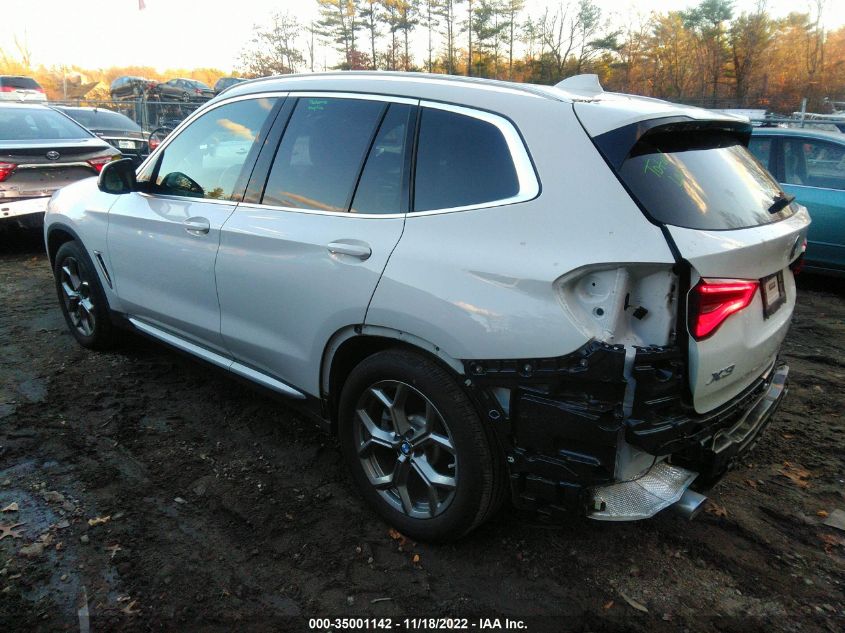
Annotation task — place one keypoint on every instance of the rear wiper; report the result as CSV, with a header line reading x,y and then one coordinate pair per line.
x,y
781,201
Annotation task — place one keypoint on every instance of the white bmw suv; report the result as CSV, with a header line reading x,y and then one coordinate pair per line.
x,y
559,296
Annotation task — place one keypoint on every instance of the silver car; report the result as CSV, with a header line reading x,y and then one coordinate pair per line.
x,y
557,296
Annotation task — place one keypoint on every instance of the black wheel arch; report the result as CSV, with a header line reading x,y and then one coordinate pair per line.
x,y
58,234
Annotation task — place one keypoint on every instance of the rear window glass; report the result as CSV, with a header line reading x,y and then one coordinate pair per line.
x,y
461,161
701,180
27,83
30,124
102,120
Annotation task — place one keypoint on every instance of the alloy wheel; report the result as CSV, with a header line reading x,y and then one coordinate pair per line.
x,y
406,449
76,293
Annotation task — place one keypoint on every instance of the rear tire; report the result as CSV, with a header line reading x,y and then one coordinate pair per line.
x,y
417,449
81,297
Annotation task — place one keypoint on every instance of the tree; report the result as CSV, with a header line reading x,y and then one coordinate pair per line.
x,y
488,31
445,9
429,19
407,13
273,49
706,21
749,36
512,8
338,23
392,20
469,34
371,15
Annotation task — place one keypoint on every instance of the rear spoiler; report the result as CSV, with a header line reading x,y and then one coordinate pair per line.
x,y
617,144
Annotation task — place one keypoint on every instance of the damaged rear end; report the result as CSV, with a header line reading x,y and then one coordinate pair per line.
x,y
682,372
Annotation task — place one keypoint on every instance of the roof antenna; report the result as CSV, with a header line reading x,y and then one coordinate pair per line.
x,y
585,85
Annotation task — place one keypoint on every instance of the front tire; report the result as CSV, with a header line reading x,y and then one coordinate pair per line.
x,y
81,297
416,448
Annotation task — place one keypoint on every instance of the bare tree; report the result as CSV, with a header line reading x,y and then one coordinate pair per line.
x,y
273,49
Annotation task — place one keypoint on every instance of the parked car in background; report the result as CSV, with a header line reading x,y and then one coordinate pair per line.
x,y
187,90
810,165
42,150
130,87
226,82
571,298
116,129
18,88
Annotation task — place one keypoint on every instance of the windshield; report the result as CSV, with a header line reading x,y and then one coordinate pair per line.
x,y
701,180
24,124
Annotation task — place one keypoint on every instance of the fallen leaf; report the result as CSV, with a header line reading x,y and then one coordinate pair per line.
x,y
12,507
822,513
751,483
114,549
131,609
99,520
787,436
831,541
715,509
639,606
796,475
396,535
9,530
607,605
416,558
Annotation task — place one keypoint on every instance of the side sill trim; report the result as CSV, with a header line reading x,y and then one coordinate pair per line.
x,y
218,360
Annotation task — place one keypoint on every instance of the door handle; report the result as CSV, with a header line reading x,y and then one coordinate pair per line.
x,y
197,226
352,248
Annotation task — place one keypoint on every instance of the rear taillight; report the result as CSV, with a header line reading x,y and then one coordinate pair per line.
x,y
197,91
798,264
154,142
7,89
41,90
714,300
99,162
6,170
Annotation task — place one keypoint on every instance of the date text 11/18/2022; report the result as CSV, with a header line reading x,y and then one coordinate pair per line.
x,y
417,624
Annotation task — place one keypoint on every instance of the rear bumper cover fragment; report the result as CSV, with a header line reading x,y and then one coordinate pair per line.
x,y
25,213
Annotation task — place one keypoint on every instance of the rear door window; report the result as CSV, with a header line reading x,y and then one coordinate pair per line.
x,y
321,153
461,161
761,147
701,180
382,187
814,163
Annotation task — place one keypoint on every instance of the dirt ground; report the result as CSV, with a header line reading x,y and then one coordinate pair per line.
x,y
155,493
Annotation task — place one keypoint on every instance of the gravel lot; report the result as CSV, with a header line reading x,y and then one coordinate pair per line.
x,y
156,493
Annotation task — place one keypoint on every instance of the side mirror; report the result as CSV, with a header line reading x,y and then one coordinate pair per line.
x,y
117,177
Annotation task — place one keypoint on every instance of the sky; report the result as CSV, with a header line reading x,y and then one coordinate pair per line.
x,y
211,33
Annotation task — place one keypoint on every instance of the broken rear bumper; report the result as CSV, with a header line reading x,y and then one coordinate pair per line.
x,y
563,427
716,448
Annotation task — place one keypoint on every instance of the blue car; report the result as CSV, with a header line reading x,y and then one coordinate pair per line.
x,y
810,165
